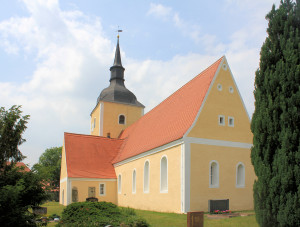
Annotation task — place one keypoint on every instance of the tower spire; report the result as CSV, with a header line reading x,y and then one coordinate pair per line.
x,y
117,61
116,91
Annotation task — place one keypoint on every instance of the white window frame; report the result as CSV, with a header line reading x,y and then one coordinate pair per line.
x,y
119,183
231,90
146,190
165,190
231,118
134,181
219,118
219,87
104,189
244,176
217,176
124,119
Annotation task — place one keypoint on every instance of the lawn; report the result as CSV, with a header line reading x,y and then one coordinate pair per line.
x,y
157,219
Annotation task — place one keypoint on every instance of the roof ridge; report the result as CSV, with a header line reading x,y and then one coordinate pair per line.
x,y
95,136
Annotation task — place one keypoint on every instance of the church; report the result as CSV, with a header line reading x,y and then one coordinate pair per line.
x,y
189,153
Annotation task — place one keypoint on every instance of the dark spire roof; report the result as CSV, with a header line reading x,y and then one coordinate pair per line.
x,y
117,92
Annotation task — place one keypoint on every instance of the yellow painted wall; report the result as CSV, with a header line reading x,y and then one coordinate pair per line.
x,y
154,200
111,113
95,114
83,185
63,189
223,103
63,169
228,158
111,117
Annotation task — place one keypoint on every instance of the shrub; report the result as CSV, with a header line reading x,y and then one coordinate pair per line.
x,y
100,214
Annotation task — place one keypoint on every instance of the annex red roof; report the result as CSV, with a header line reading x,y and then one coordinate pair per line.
x,y
90,156
169,120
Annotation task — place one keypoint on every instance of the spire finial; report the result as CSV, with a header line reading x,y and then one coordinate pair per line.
x,y
119,30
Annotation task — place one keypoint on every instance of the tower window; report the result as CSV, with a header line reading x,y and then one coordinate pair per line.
x,y
108,135
121,119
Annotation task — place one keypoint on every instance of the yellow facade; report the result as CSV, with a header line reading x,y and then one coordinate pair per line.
x,y
63,193
226,142
154,199
240,198
63,171
82,185
106,118
223,102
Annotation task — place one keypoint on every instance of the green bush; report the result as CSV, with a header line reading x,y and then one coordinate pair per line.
x,y
100,214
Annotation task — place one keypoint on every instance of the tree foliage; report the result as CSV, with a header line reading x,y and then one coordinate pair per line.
x,y
12,126
48,167
276,120
19,189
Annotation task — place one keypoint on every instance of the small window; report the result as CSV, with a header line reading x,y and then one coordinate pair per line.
x,y
74,195
224,66
230,121
134,181
119,184
213,174
240,175
146,177
231,89
221,120
219,86
108,135
92,191
102,189
121,119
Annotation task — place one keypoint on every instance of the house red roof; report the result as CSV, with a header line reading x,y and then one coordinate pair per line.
x,y
21,165
170,120
90,156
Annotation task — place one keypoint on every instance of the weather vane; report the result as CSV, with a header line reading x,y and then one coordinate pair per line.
x,y
119,30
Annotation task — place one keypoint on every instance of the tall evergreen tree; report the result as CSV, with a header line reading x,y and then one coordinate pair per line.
x,y
276,120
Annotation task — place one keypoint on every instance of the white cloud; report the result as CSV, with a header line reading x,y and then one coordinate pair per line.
x,y
159,11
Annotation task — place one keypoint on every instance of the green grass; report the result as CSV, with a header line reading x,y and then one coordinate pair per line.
x,y
157,219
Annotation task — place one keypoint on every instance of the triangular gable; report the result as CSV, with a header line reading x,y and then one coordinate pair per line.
x,y
170,120
227,102
90,156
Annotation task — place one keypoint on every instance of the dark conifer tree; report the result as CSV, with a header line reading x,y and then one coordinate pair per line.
x,y
276,120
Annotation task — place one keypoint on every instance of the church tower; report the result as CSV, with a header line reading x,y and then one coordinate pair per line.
x,y
117,107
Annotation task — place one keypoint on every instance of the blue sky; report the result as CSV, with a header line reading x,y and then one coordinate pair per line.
x,y
55,55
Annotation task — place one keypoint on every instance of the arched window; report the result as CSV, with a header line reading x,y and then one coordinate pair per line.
x,y
134,181
119,184
146,177
121,119
240,175
164,174
213,174
74,195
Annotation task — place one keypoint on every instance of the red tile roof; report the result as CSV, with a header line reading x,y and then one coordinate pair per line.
x,y
90,156
170,120
21,165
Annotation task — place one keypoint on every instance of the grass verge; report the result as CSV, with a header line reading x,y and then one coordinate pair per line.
x,y
158,219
